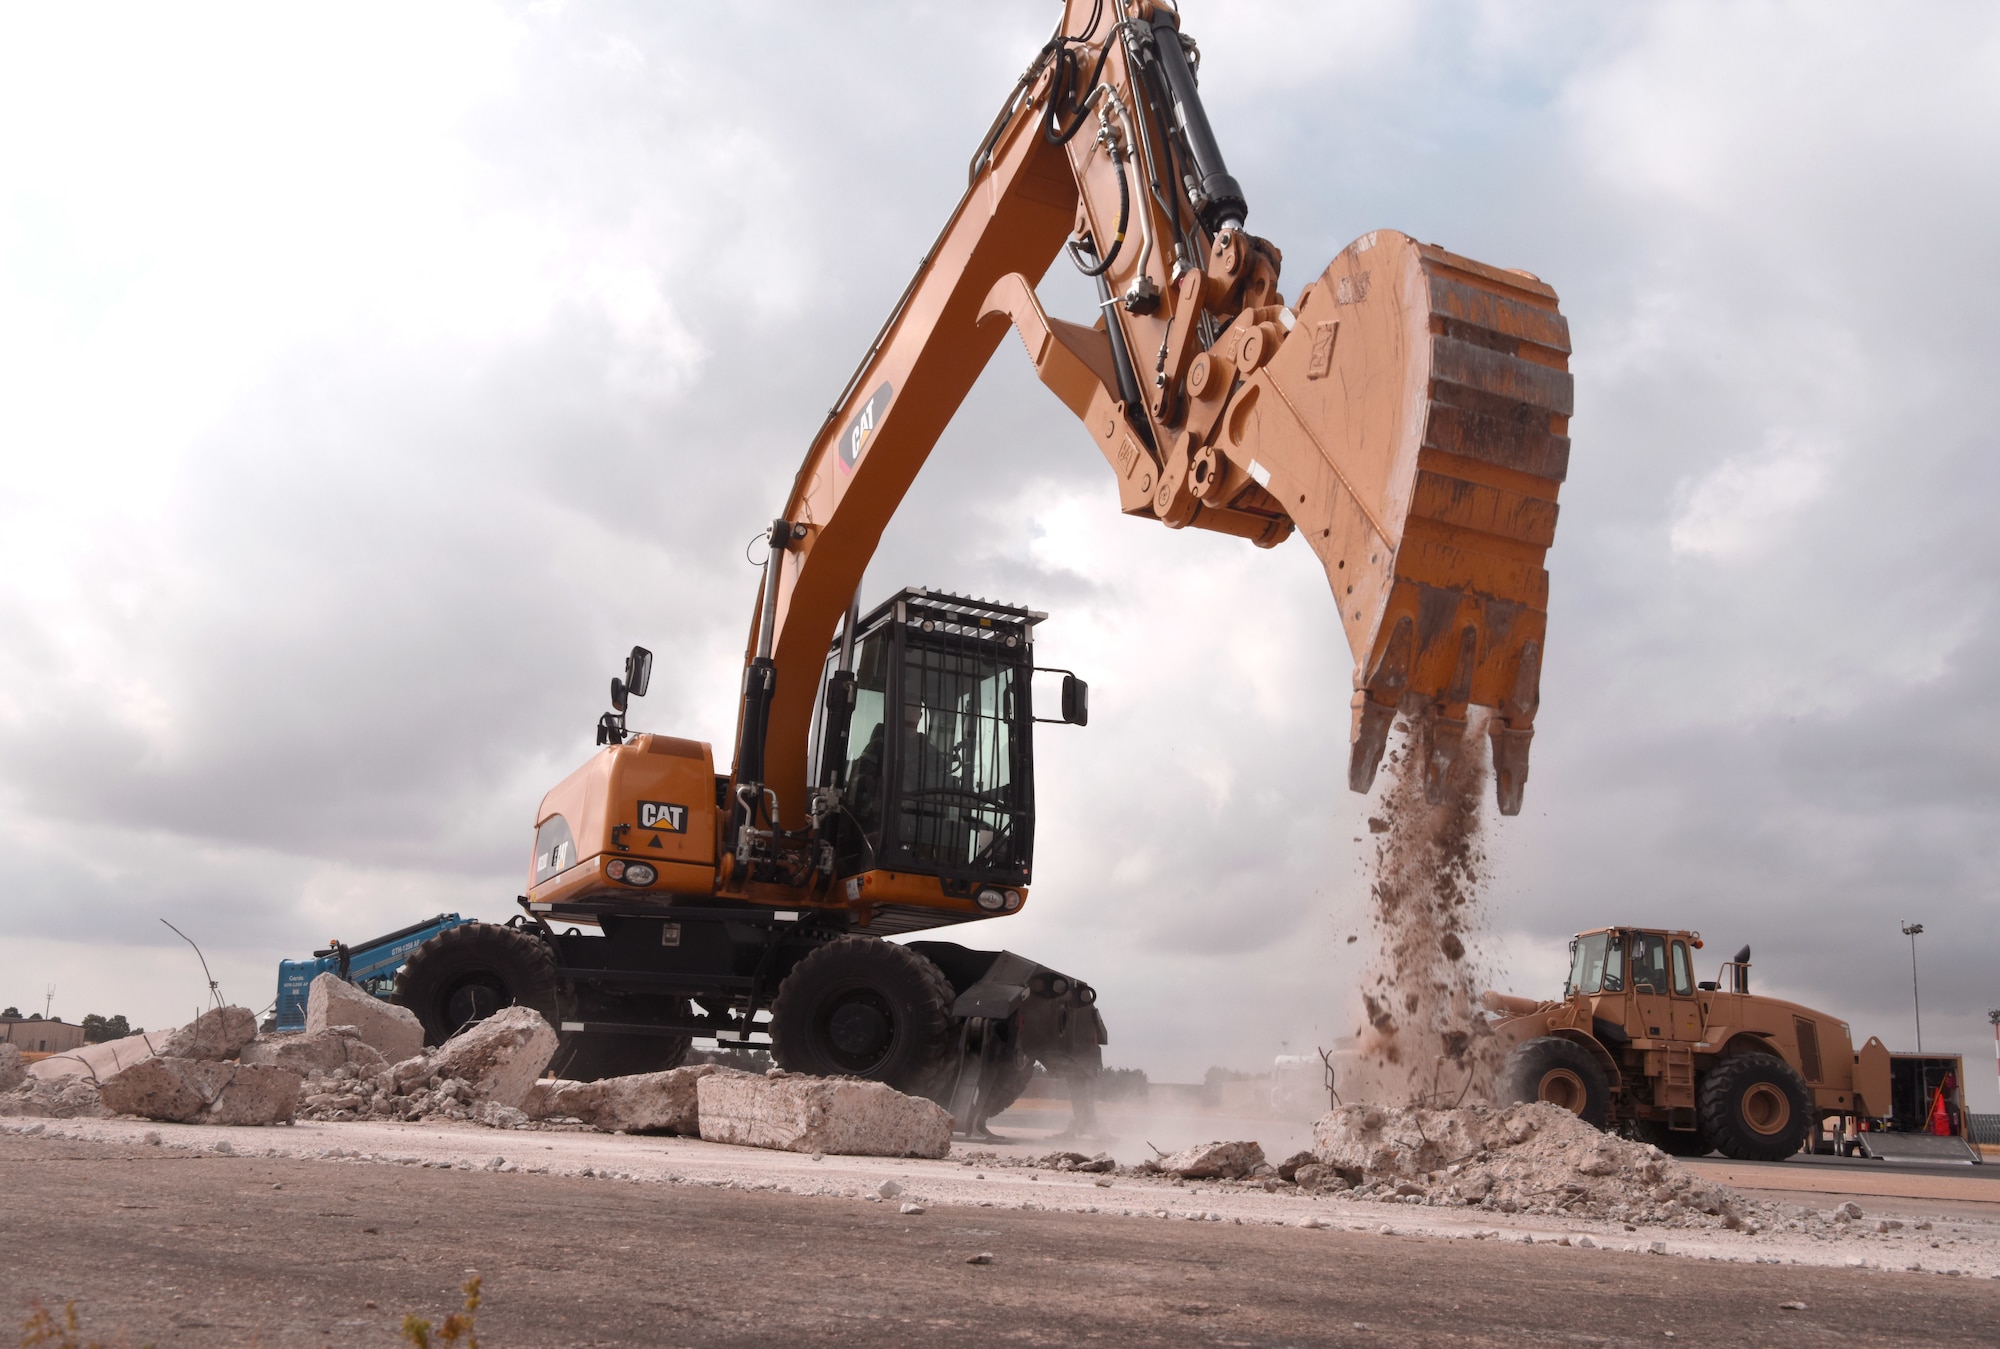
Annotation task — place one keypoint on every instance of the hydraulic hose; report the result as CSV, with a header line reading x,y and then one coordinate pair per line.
x,y
1118,238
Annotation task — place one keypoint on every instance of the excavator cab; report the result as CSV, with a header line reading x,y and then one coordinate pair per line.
x,y
929,766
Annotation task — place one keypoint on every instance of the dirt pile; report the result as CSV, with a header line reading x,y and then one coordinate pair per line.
x,y
1421,1039
1519,1159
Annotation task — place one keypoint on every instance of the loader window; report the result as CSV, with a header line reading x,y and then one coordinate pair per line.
x,y
1649,962
958,756
1683,972
1586,973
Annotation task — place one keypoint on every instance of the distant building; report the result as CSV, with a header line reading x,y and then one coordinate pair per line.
x,y
32,1035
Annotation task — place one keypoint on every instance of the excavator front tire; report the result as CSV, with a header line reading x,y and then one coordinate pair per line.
x,y
1561,1072
467,973
1755,1107
864,1007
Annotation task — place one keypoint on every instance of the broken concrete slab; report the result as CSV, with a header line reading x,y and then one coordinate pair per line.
x,y
215,1035
57,1098
203,1091
643,1103
309,1053
499,1057
13,1072
842,1116
393,1031
1214,1161
94,1063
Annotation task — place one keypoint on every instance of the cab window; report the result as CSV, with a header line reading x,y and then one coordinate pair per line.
x,y
1614,964
1683,971
1649,962
1586,971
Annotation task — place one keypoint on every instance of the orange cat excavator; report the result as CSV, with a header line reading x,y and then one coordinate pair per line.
x,y
1406,413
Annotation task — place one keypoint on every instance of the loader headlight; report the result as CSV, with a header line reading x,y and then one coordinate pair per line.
x,y
615,869
991,900
1013,900
638,873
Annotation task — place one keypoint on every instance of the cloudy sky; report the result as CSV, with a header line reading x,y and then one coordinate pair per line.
x,y
372,376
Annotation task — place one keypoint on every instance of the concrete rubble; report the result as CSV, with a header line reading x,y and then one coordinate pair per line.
x,y
501,1057
211,1037
1534,1158
843,1116
1213,1161
94,1063
12,1071
391,1030
203,1091
643,1103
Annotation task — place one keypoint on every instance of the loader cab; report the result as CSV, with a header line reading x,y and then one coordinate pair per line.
x,y
935,771
1640,983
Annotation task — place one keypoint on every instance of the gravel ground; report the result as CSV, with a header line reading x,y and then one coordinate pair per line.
x,y
175,1243
1000,1179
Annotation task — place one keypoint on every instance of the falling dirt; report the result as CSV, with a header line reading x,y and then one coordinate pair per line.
x,y
1421,1038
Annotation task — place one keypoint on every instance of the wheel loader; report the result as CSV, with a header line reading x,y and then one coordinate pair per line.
x,y
1405,413
1637,1043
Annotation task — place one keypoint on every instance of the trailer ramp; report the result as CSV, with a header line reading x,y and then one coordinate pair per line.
x,y
1944,1149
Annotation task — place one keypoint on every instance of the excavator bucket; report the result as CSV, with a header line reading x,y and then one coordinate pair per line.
x,y
1414,425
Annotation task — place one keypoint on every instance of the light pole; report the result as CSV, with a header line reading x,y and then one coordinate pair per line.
x,y
1913,931
1994,1017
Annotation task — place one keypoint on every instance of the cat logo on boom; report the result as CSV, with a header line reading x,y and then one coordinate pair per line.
x,y
661,815
854,440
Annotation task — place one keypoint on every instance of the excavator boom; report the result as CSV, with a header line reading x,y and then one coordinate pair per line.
x,y
1406,413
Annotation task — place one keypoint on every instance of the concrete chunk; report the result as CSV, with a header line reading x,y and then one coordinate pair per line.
x,y
500,1057
13,1072
203,1091
57,1098
844,1116
1212,1161
310,1054
94,1063
392,1031
643,1103
215,1035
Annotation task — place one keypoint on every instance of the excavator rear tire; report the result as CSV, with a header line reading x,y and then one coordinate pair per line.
x,y
864,1007
467,973
1559,1071
1755,1107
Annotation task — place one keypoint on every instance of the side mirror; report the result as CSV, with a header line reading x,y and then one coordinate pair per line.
x,y
1075,701
638,673
618,692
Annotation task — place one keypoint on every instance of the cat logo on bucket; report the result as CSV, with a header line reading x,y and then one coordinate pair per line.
x,y
854,440
661,815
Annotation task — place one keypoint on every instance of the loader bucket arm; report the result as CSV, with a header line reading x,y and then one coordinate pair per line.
x,y
1407,415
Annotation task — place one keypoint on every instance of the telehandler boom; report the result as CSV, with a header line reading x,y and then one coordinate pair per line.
x,y
1406,414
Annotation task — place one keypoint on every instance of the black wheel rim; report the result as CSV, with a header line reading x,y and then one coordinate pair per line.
x,y
472,1000
855,1030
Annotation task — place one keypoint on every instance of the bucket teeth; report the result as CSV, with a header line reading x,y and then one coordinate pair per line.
x,y
1447,737
1510,763
1370,736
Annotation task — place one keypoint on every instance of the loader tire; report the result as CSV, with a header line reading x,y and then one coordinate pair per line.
x,y
1561,1072
1755,1107
864,1007
467,973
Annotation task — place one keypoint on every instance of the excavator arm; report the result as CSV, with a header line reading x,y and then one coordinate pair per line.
x,y
1406,414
